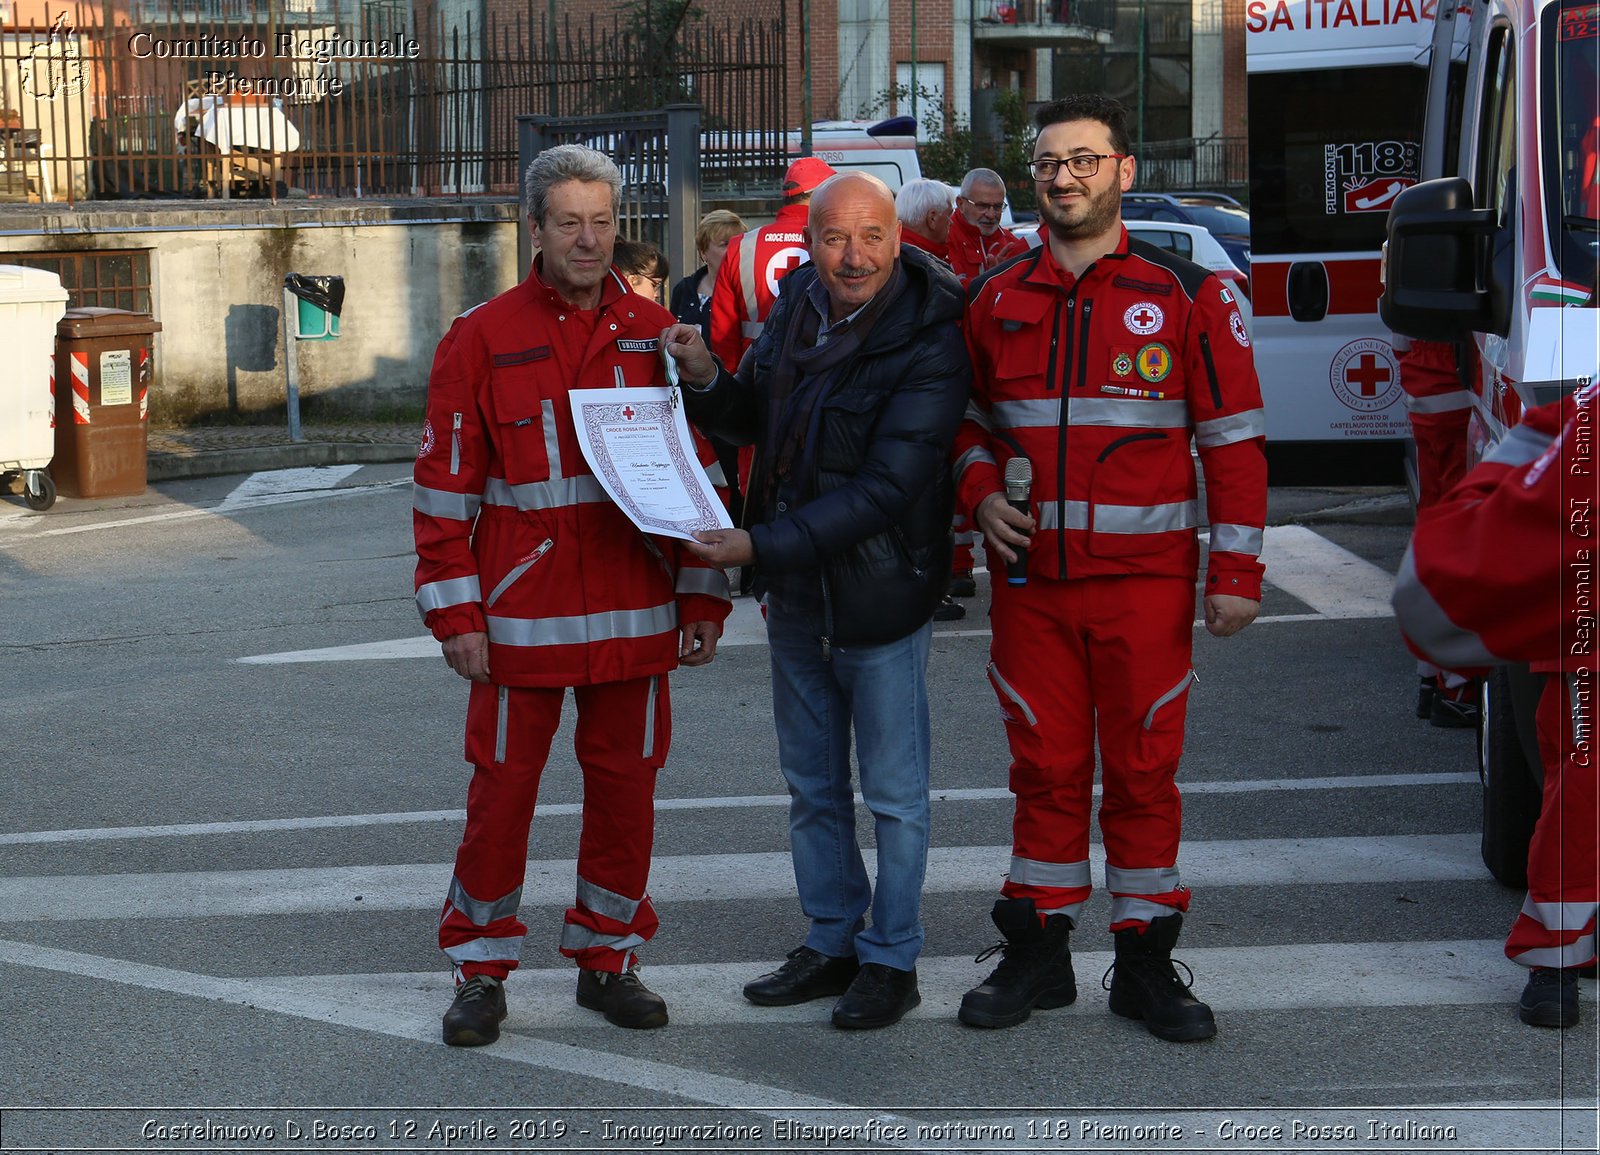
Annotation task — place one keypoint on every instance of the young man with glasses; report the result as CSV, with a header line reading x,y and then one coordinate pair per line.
x,y
1095,360
977,242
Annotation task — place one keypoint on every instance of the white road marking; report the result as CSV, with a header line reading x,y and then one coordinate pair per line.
x,y
417,1019
259,488
700,878
1327,577
729,802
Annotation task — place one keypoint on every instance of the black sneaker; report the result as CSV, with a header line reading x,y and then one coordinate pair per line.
x,y
809,974
1144,984
879,997
1426,688
963,585
622,998
473,1020
1453,713
1550,999
1035,968
949,610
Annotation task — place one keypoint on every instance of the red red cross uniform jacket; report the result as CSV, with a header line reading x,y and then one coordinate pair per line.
x,y
747,282
516,538
1502,569
1101,382
972,254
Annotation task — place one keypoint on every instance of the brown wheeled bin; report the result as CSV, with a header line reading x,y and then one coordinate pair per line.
x,y
104,365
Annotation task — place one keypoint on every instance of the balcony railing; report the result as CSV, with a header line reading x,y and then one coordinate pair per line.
x,y
1041,23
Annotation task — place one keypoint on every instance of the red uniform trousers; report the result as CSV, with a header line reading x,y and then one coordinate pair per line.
x,y
1106,656
623,732
1556,926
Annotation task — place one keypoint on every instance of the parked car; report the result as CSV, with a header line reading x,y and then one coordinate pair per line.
x,y
1230,224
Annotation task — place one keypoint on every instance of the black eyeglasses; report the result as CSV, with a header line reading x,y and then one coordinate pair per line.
x,y
1084,164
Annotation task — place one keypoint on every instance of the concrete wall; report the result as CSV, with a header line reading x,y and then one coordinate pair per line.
x,y
217,282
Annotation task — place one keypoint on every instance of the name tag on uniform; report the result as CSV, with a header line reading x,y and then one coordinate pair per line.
x,y
649,345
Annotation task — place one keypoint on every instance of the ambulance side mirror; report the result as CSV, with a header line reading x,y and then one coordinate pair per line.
x,y
1435,263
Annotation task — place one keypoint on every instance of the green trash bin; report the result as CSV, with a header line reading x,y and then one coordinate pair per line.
x,y
319,301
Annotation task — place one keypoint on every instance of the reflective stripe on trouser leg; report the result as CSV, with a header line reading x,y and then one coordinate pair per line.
x,y
617,723
1039,673
478,929
1141,640
1556,926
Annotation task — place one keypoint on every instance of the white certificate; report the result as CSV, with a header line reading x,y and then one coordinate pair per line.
x,y
637,442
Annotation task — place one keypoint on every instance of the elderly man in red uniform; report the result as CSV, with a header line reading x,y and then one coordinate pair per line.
x,y
1502,570
1095,360
977,242
534,581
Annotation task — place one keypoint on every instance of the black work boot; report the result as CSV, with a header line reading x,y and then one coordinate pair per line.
x,y
1550,999
622,998
473,1020
1145,985
1035,968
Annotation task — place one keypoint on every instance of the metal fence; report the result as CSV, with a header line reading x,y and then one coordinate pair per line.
x,y
326,98
1221,164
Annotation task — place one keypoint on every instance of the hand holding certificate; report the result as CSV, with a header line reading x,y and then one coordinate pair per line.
x,y
637,441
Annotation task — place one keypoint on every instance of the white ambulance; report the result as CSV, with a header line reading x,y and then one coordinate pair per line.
x,y
1501,257
1337,91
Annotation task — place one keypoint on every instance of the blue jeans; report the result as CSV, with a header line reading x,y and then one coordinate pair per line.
x,y
883,691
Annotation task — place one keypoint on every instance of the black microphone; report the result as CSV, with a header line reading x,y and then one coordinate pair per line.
x,y
1019,483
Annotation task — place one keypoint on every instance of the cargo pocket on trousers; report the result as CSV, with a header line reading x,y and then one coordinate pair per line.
x,y
1013,707
1161,733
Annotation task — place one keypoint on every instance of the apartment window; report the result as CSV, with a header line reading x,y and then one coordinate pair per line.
x,y
106,279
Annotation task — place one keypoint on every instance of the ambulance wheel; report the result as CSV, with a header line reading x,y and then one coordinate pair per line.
x,y
1512,791
38,489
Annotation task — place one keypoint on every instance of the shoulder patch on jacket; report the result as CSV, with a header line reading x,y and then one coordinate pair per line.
x,y
537,353
1188,274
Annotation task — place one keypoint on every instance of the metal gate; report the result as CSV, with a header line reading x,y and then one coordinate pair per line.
x,y
660,200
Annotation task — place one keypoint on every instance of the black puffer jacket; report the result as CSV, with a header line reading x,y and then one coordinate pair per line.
x,y
862,545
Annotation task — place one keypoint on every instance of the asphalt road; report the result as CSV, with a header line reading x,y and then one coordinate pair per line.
x,y
234,790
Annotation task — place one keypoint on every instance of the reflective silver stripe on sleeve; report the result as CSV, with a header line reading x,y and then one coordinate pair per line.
x,y
576,938
1520,446
531,495
443,503
978,417
1244,539
1439,402
508,949
1127,413
971,457
1127,909
481,912
747,281
582,628
606,903
449,592
1031,872
1035,414
1425,623
552,438
1142,880
711,582
1226,430
1183,684
1006,688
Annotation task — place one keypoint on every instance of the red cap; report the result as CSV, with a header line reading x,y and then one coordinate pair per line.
x,y
804,175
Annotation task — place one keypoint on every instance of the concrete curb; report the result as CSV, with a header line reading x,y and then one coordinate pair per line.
x,y
1387,509
251,458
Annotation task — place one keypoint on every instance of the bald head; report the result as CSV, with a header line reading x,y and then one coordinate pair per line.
x,y
854,238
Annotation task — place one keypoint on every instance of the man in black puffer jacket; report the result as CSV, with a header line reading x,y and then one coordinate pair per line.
x,y
852,396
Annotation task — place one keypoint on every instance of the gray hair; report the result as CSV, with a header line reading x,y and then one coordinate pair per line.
x,y
560,164
917,198
981,176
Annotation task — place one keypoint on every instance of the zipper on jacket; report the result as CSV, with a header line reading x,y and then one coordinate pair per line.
x,y
616,374
827,619
1050,365
455,444
519,569
1061,447
1083,343
1211,370
905,549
